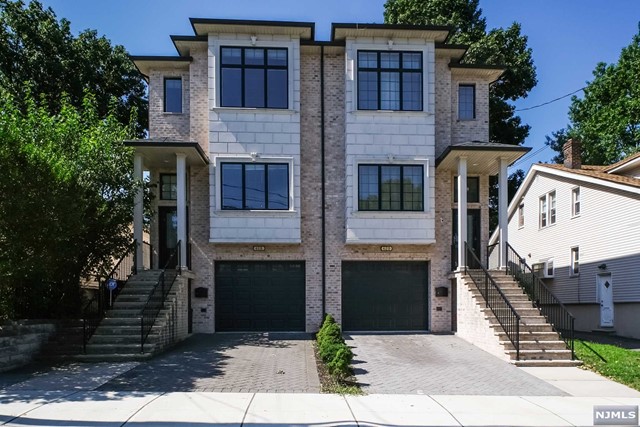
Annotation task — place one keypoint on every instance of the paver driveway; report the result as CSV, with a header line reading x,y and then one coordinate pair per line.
x,y
257,362
437,364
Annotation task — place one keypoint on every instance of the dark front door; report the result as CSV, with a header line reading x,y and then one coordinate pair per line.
x,y
260,296
384,295
473,236
168,235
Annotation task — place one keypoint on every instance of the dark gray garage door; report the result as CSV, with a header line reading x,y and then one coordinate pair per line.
x,y
384,296
260,296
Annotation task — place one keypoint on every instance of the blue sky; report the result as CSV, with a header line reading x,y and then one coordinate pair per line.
x,y
568,37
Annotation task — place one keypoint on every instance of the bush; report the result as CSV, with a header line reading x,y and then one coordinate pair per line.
x,y
332,349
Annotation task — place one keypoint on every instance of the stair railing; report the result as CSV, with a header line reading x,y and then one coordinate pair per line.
x,y
95,310
549,305
158,294
494,298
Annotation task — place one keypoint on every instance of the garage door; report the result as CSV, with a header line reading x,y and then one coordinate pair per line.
x,y
384,296
260,296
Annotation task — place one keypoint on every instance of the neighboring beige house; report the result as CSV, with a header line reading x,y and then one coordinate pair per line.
x,y
578,226
304,177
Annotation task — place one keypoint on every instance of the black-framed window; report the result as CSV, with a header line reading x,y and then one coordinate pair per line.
x,y
389,80
254,77
247,186
473,189
390,187
168,186
173,95
467,102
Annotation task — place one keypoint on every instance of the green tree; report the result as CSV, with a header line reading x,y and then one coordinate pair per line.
x,y
38,48
499,46
66,202
607,118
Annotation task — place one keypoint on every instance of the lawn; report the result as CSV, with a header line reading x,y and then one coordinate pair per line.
x,y
617,363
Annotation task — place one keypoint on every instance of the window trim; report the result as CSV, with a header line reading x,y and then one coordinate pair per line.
x,y
574,262
575,191
546,199
164,95
455,187
242,66
161,185
266,184
521,215
400,70
473,86
379,166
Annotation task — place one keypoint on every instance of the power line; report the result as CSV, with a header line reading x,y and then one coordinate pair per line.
x,y
552,101
530,155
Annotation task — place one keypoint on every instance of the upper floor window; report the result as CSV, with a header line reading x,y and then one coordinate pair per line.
x,y
389,80
473,189
390,188
466,102
254,77
173,95
575,261
575,201
168,186
250,186
548,209
521,215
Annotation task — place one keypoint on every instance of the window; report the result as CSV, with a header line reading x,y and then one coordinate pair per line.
x,y
168,187
548,209
521,215
575,261
575,201
466,102
548,268
173,95
250,186
389,81
473,189
254,77
390,188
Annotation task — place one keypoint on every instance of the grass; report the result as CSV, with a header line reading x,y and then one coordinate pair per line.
x,y
330,384
613,362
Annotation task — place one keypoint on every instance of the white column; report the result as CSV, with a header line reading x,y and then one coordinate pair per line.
x,y
138,211
462,211
503,204
181,195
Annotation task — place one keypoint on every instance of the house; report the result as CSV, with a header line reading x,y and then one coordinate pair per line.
x,y
298,177
577,225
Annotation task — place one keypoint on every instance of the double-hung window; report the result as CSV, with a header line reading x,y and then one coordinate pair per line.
x,y
389,80
254,77
390,188
521,215
575,201
259,186
575,261
548,209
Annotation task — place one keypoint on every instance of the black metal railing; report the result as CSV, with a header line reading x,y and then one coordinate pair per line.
x,y
494,298
549,305
109,286
158,294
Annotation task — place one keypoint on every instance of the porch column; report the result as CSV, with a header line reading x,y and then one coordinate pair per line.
x,y
462,211
138,211
181,202
503,217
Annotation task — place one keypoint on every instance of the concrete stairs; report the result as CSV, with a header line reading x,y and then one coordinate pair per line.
x,y
540,345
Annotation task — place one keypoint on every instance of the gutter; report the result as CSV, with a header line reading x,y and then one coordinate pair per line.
x,y
323,190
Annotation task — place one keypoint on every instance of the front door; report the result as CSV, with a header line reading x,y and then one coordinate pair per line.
x,y
168,234
473,236
605,294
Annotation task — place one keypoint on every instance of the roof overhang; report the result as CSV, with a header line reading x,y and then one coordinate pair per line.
x,y
205,26
145,64
437,33
329,47
482,157
480,71
453,51
161,153
630,163
184,44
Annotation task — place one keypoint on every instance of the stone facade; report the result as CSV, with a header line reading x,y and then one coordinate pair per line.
x,y
20,342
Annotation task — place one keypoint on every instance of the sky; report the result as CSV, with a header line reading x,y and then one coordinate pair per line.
x,y
568,37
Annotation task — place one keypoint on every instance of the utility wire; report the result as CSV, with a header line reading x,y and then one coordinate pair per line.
x,y
552,101
530,155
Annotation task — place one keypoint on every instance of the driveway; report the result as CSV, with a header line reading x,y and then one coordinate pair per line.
x,y
437,364
256,362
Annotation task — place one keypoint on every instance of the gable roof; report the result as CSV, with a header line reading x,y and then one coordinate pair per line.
x,y
622,164
599,172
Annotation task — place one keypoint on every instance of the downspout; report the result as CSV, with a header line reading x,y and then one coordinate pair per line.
x,y
323,194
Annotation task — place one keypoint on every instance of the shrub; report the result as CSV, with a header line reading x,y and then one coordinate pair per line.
x,y
332,349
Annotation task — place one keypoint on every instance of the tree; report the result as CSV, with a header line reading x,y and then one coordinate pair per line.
x,y
66,201
607,118
38,48
499,46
